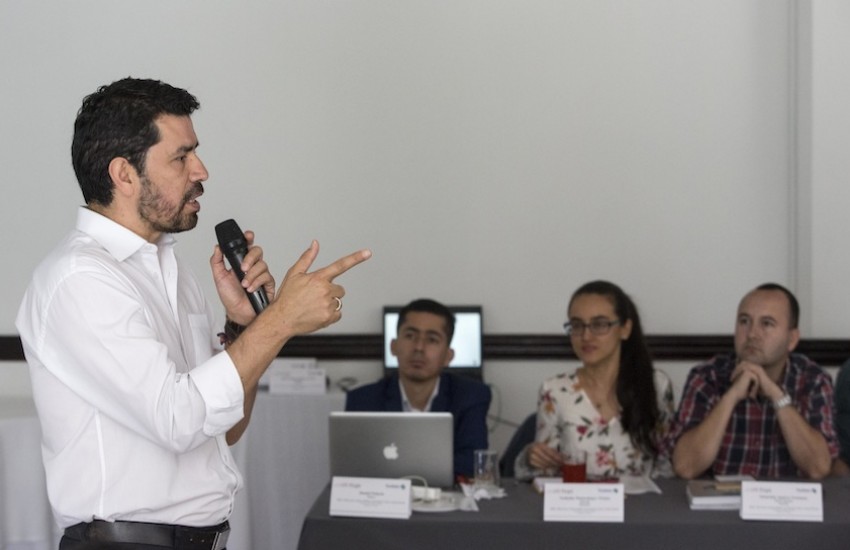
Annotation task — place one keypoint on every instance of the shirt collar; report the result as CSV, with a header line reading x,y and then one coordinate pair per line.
x,y
405,403
120,242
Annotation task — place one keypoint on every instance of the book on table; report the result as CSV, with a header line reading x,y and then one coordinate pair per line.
x,y
713,494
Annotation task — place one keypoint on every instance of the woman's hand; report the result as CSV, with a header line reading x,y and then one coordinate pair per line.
x,y
543,457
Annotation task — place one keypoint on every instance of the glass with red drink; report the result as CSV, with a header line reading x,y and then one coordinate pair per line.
x,y
574,467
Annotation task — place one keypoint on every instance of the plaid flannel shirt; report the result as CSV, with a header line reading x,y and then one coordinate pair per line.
x,y
753,443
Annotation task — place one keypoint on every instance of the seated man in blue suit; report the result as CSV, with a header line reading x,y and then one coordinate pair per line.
x,y
422,346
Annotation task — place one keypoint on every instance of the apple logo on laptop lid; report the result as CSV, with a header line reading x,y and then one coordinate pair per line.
x,y
391,452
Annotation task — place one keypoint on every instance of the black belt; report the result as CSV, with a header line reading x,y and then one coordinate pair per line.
x,y
154,534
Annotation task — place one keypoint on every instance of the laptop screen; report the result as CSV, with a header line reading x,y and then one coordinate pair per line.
x,y
393,445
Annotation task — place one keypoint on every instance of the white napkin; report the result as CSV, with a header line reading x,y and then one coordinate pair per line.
x,y
638,485
479,492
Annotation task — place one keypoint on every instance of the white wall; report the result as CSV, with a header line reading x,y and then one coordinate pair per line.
x,y
492,152
488,151
827,171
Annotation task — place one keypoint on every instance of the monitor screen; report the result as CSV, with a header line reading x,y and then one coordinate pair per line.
x,y
466,341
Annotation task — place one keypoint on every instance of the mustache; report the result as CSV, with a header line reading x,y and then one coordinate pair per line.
x,y
196,191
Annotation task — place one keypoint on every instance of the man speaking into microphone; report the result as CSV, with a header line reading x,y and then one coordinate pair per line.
x,y
137,401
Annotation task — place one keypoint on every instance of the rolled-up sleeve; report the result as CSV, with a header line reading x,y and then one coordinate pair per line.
x,y
221,389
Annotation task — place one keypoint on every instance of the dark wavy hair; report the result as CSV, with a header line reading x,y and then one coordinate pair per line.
x,y
635,380
118,121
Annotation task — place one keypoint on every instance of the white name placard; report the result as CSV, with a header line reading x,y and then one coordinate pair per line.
x,y
295,376
584,502
370,497
781,501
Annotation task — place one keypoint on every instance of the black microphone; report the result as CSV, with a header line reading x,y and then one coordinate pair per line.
x,y
233,244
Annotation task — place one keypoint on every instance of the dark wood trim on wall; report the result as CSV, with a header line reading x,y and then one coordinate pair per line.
x,y
11,349
531,347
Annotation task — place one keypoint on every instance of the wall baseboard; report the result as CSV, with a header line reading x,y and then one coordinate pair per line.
x,y
369,347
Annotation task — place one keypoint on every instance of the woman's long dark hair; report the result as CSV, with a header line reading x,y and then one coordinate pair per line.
x,y
636,379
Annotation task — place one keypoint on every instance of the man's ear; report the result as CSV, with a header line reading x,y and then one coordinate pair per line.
x,y
392,347
794,340
124,177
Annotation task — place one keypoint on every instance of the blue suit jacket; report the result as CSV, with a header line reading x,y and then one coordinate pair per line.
x,y
468,400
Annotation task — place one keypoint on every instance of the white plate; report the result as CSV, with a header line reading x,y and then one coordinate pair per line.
x,y
448,502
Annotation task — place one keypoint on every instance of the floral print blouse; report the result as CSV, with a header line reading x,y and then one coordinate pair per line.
x,y
566,417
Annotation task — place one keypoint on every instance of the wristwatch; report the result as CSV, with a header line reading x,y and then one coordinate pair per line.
x,y
783,401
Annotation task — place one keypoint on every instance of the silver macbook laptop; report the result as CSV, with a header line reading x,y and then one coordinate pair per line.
x,y
393,444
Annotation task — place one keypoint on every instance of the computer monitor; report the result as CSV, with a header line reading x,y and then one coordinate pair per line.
x,y
466,341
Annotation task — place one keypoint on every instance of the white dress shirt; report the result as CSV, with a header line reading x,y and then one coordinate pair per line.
x,y
133,392
405,402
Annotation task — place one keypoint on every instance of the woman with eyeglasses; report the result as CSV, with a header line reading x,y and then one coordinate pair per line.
x,y
616,407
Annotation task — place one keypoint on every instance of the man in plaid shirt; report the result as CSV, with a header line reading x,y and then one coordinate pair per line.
x,y
761,411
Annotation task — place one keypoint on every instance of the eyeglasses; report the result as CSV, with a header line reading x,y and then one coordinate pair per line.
x,y
598,327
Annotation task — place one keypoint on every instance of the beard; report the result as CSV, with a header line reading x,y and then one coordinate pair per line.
x,y
163,216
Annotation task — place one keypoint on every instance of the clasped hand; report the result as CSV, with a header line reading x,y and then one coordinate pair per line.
x,y
750,380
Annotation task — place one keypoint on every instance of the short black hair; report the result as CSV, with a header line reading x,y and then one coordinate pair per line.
x,y
118,120
427,305
793,304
